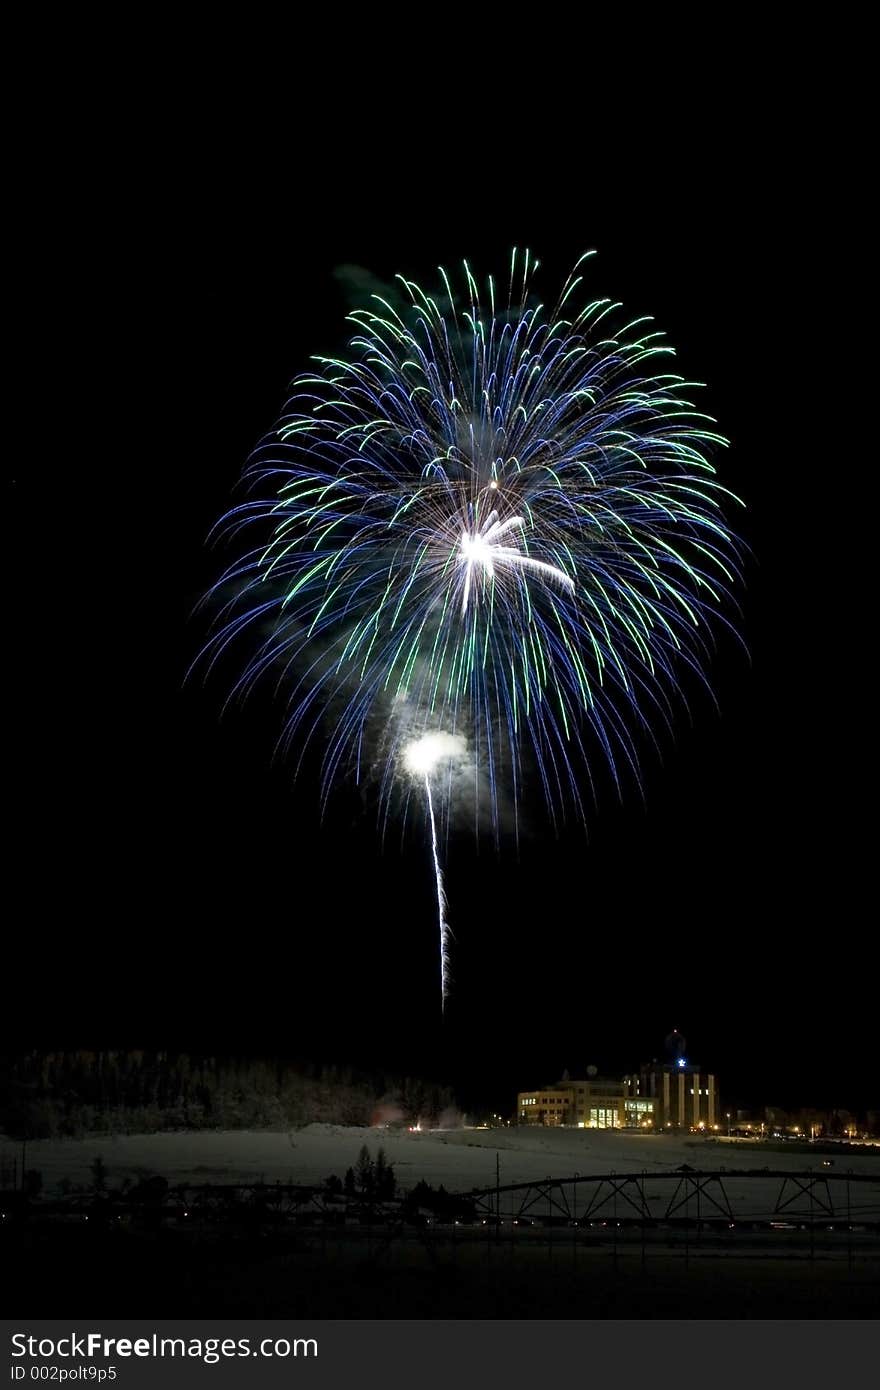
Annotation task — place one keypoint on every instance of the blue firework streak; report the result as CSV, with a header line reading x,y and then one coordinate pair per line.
x,y
489,520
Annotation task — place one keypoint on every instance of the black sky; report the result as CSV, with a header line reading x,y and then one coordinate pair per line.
x,y
178,888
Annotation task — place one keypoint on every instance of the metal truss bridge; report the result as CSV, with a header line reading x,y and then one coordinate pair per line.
x,y
760,1198
716,1196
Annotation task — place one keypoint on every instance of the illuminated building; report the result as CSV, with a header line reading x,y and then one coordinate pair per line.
x,y
673,1094
594,1103
687,1096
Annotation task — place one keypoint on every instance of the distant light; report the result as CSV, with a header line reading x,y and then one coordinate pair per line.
x,y
682,1062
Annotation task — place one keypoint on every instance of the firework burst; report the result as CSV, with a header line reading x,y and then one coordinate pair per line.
x,y
502,520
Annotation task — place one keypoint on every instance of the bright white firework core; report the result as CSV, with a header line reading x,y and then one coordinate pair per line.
x,y
424,754
481,550
476,550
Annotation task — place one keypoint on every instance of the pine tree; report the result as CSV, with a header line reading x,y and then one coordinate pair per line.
x,y
99,1174
384,1178
365,1172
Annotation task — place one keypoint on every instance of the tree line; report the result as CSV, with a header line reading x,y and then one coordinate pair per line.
x,y
56,1094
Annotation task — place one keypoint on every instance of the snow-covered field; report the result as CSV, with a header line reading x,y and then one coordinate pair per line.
x,y
460,1159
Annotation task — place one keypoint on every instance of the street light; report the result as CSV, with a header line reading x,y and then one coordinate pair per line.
x,y
728,1124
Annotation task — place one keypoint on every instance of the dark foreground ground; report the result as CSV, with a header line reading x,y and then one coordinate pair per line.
x,y
76,1272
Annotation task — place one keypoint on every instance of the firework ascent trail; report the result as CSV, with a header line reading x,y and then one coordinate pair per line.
x,y
441,903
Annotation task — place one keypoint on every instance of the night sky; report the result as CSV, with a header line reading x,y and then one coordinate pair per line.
x,y
179,888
